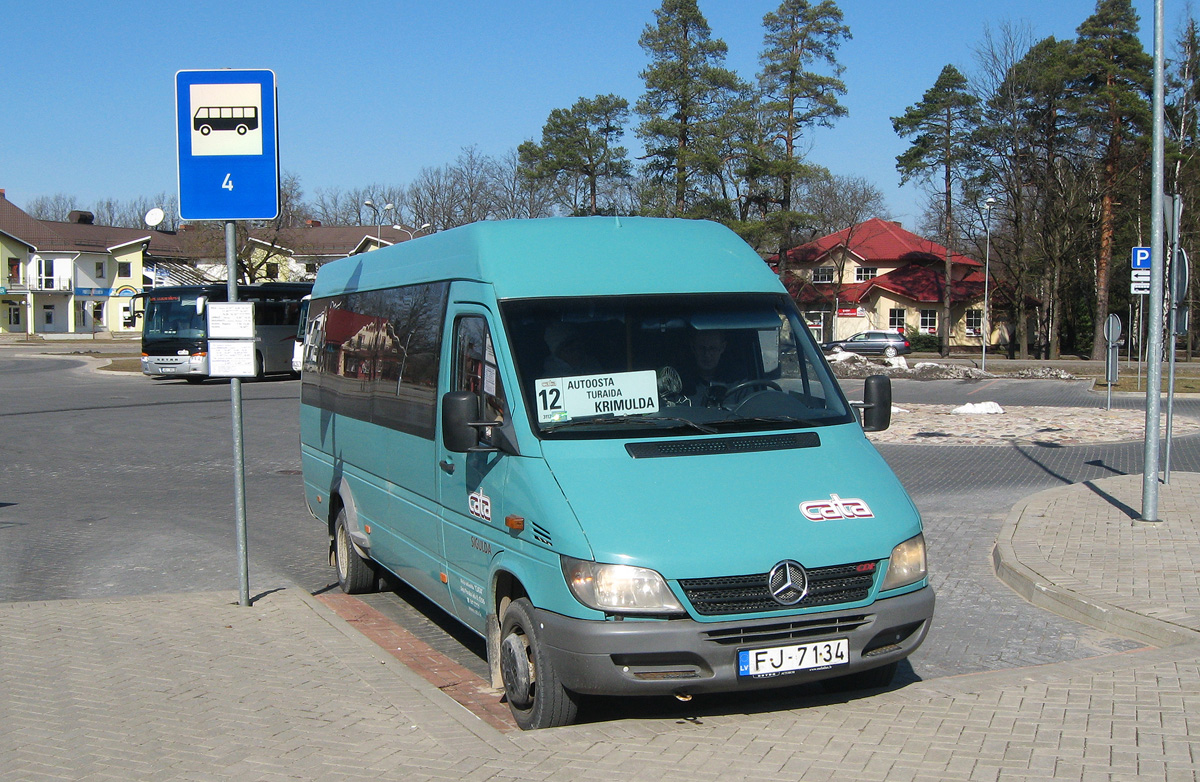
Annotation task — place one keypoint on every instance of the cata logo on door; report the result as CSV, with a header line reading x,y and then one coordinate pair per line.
x,y
480,505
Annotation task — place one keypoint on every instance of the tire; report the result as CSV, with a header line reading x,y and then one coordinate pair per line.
x,y
355,575
872,679
536,696
194,379
889,351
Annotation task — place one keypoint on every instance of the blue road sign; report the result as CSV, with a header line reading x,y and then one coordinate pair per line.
x,y
228,144
1141,258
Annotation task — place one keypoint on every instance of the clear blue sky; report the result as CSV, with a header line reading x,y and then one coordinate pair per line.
x,y
371,92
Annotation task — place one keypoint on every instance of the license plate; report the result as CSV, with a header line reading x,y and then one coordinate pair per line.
x,y
777,660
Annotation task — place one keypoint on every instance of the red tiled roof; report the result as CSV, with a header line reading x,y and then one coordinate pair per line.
x,y
877,241
923,284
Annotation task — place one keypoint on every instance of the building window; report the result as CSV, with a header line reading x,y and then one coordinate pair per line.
x,y
14,271
98,313
48,314
822,274
124,269
974,323
99,270
310,268
272,271
14,315
896,319
864,273
929,321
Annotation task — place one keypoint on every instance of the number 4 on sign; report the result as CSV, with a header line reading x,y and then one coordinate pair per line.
x,y
228,183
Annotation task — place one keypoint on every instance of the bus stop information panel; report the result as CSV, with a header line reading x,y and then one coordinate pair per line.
x,y
228,145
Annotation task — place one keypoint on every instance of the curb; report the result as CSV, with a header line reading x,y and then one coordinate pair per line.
x,y
1040,583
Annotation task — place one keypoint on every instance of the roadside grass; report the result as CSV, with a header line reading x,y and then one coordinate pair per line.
x,y
124,364
1131,382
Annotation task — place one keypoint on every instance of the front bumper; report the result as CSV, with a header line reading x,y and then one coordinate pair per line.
x,y
671,656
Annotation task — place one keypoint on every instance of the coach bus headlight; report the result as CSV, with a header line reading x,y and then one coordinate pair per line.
x,y
907,564
619,589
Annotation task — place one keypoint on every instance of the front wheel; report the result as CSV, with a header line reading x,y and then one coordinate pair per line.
x,y
535,694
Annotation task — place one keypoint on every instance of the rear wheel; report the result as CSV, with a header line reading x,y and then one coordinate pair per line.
x,y
535,694
889,351
354,573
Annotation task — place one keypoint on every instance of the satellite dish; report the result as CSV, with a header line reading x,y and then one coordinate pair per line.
x,y
154,217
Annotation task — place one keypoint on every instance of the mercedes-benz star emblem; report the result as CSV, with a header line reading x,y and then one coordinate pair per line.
x,y
788,583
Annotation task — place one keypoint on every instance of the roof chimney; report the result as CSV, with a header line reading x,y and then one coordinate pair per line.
x,y
309,223
81,217
2,194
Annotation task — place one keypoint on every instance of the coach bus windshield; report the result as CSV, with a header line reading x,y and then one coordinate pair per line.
x,y
175,316
653,364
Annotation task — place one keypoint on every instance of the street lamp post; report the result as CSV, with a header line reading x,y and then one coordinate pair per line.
x,y
411,234
378,222
987,263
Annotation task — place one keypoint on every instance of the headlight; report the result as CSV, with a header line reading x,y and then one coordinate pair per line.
x,y
907,564
619,589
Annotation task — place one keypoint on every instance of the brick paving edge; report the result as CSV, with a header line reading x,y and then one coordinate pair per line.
x,y
1036,582
436,697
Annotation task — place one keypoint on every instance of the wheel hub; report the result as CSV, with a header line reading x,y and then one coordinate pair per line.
x,y
516,670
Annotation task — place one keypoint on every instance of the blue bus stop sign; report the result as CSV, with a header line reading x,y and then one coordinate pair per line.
x,y
228,144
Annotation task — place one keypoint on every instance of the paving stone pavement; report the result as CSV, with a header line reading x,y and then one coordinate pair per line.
x,y
193,687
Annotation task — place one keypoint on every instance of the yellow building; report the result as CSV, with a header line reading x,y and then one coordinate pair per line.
x,y
75,277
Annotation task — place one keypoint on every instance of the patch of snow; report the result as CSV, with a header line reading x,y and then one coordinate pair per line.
x,y
978,408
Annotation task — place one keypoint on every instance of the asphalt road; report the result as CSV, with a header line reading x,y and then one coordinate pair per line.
x,y
116,484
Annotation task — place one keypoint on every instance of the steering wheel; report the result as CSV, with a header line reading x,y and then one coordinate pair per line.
x,y
734,390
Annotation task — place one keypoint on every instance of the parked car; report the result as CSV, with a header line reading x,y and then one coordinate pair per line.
x,y
887,343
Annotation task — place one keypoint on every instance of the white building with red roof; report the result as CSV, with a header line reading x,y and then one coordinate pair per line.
x,y
876,275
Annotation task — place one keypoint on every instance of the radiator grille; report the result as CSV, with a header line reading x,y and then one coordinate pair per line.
x,y
750,594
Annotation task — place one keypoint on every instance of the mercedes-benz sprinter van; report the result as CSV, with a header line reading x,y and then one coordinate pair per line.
x,y
612,448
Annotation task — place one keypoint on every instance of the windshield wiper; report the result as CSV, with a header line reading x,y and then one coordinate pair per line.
x,y
676,423
770,419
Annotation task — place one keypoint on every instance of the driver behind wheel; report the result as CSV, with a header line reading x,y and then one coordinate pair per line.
x,y
706,380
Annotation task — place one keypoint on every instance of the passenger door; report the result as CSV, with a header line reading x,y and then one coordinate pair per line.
x,y
471,485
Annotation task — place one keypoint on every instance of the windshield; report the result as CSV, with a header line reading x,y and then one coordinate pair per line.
x,y
669,364
175,316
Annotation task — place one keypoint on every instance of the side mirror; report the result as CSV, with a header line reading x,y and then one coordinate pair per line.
x,y
877,403
459,409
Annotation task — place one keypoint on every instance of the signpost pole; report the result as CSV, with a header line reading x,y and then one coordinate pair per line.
x,y
239,455
1150,461
227,139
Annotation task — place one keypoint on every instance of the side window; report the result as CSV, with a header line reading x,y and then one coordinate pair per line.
x,y
375,356
475,368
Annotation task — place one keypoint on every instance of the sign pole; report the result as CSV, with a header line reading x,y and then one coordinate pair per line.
x,y
1150,461
227,139
239,455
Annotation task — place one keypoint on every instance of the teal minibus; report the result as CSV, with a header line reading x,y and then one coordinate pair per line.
x,y
612,448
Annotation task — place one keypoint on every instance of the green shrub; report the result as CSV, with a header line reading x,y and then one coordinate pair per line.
x,y
923,343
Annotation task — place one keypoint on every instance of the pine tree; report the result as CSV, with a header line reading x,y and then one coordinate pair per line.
x,y
1111,85
582,141
795,98
687,86
940,127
